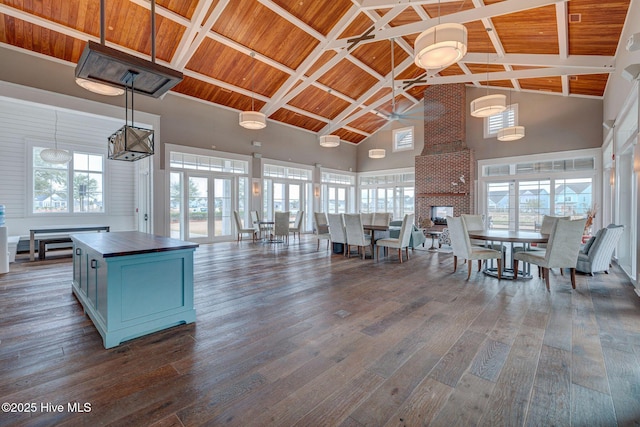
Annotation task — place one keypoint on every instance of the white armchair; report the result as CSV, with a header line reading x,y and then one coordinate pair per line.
x,y
597,255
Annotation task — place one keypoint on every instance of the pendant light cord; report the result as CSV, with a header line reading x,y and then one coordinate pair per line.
x,y
253,79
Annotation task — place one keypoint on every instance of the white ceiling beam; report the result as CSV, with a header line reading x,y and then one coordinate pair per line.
x,y
166,13
225,85
358,131
195,34
565,85
306,113
497,9
563,29
383,4
520,74
293,20
537,60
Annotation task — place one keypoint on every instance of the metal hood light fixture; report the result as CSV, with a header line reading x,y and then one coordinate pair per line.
x,y
104,70
440,46
253,119
55,155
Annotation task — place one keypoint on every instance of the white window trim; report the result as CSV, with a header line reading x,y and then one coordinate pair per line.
x,y
394,141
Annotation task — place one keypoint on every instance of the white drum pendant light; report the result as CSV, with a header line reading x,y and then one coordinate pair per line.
x,y
55,155
253,119
512,133
488,105
440,46
377,153
329,141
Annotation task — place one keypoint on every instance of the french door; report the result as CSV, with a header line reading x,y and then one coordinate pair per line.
x,y
283,197
208,207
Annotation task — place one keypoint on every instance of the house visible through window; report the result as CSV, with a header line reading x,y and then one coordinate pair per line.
x,y
403,139
68,188
507,118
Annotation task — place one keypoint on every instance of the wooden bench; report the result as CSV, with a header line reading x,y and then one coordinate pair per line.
x,y
43,242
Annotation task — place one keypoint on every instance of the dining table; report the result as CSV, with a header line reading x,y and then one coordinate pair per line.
x,y
526,238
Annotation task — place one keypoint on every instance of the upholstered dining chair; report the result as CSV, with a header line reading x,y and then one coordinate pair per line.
x,y
562,250
255,221
281,226
243,230
401,242
367,218
297,225
336,230
381,218
321,228
548,222
355,234
461,245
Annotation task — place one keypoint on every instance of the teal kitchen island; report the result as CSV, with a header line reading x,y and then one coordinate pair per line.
x,y
132,284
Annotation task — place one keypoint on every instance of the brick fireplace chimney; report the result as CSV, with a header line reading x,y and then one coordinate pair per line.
x,y
445,161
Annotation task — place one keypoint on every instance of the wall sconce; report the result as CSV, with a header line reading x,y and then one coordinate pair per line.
x,y
255,187
316,191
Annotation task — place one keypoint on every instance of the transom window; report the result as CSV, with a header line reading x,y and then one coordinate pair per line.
x,y
403,139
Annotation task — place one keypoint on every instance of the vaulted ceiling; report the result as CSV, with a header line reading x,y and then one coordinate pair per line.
x,y
325,65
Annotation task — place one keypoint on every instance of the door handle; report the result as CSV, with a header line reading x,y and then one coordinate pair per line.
x,y
146,217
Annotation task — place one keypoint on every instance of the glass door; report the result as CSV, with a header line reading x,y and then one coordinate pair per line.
x,y
198,215
284,197
210,201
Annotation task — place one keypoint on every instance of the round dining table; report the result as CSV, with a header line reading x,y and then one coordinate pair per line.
x,y
511,237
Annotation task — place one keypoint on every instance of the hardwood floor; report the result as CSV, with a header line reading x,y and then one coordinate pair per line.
x,y
291,336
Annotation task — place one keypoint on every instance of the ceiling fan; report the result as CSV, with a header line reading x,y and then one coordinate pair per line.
x,y
395,115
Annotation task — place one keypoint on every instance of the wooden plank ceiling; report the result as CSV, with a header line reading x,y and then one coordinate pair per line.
x,y
309,72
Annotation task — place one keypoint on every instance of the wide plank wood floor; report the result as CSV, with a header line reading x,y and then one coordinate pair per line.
x,y
291,336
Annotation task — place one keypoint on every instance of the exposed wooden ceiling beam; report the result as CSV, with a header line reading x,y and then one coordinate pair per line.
x,y
541,60
519,74
383,4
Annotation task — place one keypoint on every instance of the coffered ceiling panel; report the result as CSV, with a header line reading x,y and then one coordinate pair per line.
x,y
325,65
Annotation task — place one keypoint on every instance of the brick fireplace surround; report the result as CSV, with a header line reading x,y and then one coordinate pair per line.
x,y
445,156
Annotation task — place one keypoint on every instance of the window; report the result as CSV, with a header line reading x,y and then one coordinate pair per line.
x,y
507,118
403,139
52,182
393,193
